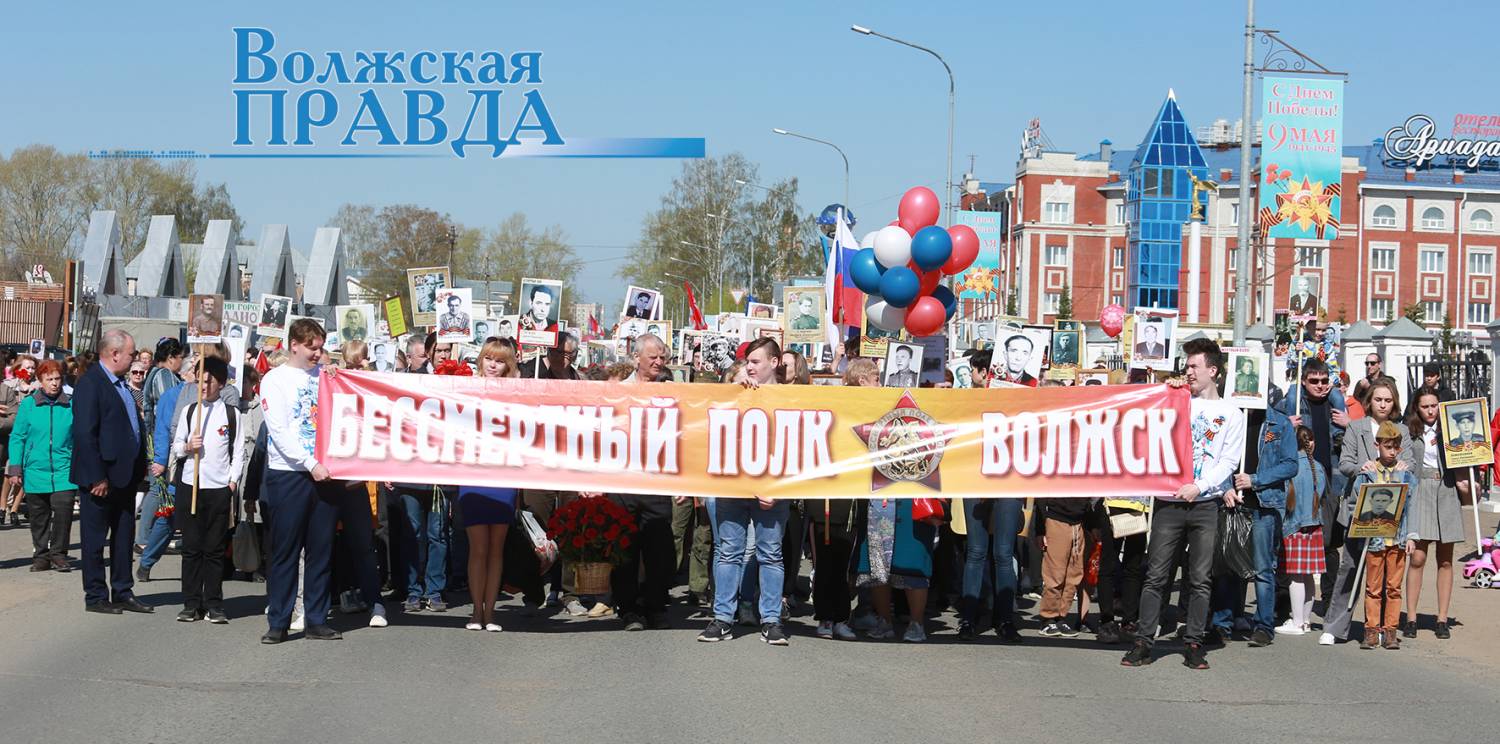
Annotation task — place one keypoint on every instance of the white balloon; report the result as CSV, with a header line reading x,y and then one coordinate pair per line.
x,y
892,246
868,241
883,316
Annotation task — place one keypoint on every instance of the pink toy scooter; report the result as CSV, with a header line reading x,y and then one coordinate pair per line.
x,y
1484,572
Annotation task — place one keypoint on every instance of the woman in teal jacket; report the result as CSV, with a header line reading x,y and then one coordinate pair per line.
x,y
41,455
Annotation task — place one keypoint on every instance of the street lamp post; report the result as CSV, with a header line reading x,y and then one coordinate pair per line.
x,y
840,150
948,187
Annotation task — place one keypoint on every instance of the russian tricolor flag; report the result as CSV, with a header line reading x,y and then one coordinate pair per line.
x,y
846,303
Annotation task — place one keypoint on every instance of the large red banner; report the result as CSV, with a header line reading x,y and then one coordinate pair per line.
x,y
777,441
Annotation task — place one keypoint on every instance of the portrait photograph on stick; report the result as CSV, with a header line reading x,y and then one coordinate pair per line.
x,y
1466,432
205,318
903,365
1377,512
541,306
423,285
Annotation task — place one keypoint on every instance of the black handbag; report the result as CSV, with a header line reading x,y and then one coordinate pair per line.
x,y
1235,548
245,548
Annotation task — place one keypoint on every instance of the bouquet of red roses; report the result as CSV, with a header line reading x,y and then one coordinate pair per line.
x,y
453,367
592,530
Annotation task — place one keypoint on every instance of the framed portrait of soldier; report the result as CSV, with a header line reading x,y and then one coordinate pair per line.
x,y
690,349
630,328
661,329
355,322
752,328
1377,512
903,365
760,310
1152,334
1249,378
1091,377
382,354
1017,357
455,320
274,311
423,285
233,330
505,326
484,328
236,347
641,303
963,373
541,306
1302,298
1465,429
718,352
802,320
205,318
1065,347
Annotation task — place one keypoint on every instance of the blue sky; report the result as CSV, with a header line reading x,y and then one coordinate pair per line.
x,y
158,75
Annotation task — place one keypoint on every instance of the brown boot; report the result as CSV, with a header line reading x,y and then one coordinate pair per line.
x,y
1372,638
1392,640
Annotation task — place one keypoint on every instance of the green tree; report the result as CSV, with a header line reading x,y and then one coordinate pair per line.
x,y
1445,334
1065,303
513,250
1415,313
43,208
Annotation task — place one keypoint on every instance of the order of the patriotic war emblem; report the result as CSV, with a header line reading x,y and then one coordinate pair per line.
x,y
905,445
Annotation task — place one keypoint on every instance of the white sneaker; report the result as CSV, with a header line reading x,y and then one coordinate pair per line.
x,y
473,626
492,627
1290,628
576,608
1325,640
882,630
843,632
298,622
914,633
825,629
377,616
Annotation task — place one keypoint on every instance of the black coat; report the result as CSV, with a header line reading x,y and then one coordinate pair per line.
x,y
104,445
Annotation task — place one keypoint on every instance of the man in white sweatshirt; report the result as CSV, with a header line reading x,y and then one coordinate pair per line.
x,y
299,502
212,453
1191,516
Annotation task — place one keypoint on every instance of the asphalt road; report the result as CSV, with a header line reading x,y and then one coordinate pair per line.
x,y
67,676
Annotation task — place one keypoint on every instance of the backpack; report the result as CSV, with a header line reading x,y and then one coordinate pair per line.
x,y
233,416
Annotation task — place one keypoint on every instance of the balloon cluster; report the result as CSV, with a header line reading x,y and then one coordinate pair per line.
x,y
901,266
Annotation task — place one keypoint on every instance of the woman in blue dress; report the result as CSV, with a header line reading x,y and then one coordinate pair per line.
x,y
488,511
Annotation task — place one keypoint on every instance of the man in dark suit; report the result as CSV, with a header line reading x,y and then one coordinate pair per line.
x,y
1150,345
109,459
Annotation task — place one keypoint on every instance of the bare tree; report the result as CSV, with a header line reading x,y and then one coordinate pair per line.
x,y
43,209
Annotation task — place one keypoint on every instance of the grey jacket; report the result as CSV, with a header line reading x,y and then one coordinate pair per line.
x,y
1360,448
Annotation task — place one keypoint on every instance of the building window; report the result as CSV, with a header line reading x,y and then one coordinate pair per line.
x,y
1481,263
1234,214
1482,221
1117,299
1057,213
1432,311
1384,216
1310,257
1381,309
1383,259
1119,214
1479,313
1050,302
1056,255
1433,219
1119,257
1431,260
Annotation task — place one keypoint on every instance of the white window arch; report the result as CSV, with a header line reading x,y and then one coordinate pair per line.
x,y
1384,216
1434,219
1482,220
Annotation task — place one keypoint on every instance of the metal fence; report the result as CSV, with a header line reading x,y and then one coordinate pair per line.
x,y
1467,374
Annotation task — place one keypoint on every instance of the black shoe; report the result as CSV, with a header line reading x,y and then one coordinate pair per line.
x,y
1441,631
633,622
1008,634
135,605
1240,635
60,564
771,634
217,616
1139,655
40,564
1214,637
1195,657
1260,638
716,631
966,632
1109,633
273,637
189,616
657,620
1409,630
103,608
322,633
142,574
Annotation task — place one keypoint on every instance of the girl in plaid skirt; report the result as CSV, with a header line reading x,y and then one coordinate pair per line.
x,y
1303,535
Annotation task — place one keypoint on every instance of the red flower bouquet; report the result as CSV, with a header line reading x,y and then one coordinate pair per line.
x,y
592,530
455,368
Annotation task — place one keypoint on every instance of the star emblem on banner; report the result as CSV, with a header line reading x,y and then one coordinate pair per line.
x,y
906,445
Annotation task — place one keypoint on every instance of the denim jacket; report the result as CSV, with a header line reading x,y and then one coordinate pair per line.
x,y
1377,544
1277,463
1310,485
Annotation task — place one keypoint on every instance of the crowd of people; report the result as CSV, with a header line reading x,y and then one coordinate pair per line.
x,y
153,444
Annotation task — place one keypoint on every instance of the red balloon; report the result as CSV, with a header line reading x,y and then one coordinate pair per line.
x,y
919,208
1112,320
929,279
965,249
925,316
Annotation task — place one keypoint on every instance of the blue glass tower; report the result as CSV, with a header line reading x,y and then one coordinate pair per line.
x,y
1158,202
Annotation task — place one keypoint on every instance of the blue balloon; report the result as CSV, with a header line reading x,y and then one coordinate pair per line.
x,y
866,271
899,286
931,247
944,295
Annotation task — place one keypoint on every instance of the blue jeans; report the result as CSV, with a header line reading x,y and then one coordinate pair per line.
x,y
424,542
731,520
158,534
1229,591
147,517
992,525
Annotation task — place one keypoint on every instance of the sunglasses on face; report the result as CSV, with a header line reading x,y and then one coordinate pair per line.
x,y
1317,381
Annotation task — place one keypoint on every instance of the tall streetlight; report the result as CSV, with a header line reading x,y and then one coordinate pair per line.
x,y
779,130
948,188
751,286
